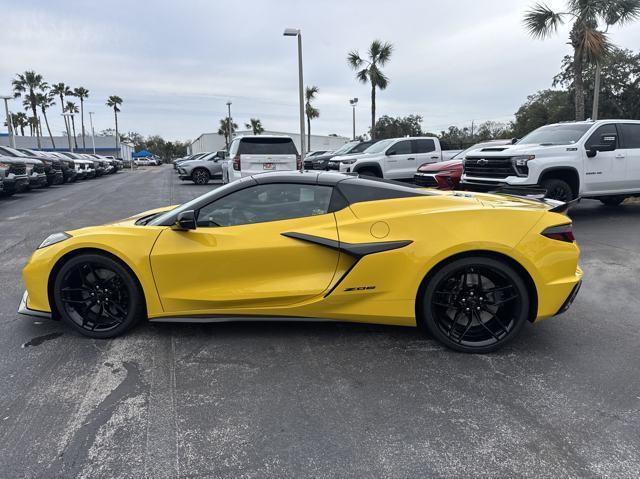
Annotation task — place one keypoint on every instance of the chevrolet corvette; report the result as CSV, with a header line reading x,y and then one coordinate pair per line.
x,y
469,269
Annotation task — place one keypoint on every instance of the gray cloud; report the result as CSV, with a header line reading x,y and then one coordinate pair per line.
x,y
176,64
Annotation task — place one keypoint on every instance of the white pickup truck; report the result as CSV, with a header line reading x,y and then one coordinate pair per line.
x,y
590,159
394,158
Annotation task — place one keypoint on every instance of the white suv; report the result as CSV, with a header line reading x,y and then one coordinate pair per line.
x,y
591,159
249,155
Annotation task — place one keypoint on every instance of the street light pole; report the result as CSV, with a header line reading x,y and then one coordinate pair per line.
x,y
12,135
354,102
229,128
293,32
93,133
67,123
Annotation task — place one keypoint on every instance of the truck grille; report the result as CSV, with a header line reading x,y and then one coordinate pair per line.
x,y
489,167
38,168
425,180
57,166
308,165
18,169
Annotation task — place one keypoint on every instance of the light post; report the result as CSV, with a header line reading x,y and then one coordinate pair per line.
x,y
67,117
93,133
229,125
294,32
9,122
353,102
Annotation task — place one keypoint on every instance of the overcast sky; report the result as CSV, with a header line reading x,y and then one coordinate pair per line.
x,y
176,64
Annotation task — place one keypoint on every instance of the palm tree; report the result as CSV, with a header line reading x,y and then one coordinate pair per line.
x,y
32,121
19,121
46,101
224,130
61,90
589,43
114,102
28,83
82,93
72,108
254,125
311,112
368,70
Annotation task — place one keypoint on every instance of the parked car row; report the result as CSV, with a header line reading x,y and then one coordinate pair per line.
x,y
24,169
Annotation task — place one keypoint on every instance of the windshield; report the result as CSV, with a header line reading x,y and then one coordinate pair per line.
x,y
345,148
379,147
564,134
11,152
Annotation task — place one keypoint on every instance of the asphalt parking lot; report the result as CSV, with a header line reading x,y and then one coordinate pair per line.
x,y
315,399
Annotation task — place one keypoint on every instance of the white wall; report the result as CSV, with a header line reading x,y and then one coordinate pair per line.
x,y
213,141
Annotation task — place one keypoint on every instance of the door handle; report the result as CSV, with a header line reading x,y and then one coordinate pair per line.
x,y
435,157
410,158
620,155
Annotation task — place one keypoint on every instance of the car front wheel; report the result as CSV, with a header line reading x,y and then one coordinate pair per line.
x,y
97,296
200,176
612,200
475,304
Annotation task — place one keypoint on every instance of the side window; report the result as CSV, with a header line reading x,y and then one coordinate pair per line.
x,y
400,148
630,135
596,137
424,146
233,149
262,203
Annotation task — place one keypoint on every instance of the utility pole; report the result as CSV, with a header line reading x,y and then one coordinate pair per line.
x,y
67,122
596,92
93,133
229,128
12,134
354,102
294,32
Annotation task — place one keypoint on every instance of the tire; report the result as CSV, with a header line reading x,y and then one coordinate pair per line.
x,y
97,296
481,315
368,172
558,190
612,200
200,176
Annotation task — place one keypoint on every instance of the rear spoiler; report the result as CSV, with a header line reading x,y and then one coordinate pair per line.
x,y
537,194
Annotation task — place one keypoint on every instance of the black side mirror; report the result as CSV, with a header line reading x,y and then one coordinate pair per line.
x,y
607,143
186,221
390,152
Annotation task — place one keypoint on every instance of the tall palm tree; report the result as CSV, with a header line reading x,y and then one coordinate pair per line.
x,y
28,83
255,125
61,90
310,93
71,107
114,102
32,121
590,44
82,93
19,121
368,71
45,102
226,131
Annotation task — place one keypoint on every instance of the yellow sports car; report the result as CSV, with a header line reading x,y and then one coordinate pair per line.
x,y
469,268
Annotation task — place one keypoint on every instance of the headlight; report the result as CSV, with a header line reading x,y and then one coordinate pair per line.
x,y
4,165
53,239
347,162
520,164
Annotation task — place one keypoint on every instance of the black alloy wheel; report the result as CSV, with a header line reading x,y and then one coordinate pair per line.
x,y
475,305
200,176
558,190
97,296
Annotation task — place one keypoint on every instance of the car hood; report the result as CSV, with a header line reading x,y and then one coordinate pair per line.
x,y
441,165
187,163
131,220
516,150
356,156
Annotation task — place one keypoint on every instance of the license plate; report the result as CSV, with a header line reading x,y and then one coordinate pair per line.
x,y
268,166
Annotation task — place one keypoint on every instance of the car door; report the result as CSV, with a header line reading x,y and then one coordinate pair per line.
x,y
630,134
400,160
606,171
238,257
424,150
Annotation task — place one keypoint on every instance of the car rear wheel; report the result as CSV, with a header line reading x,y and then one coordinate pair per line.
x,y
97,296
612,200
558,190
200,176
475,304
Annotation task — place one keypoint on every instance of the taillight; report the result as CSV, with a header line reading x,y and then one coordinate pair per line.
x,y
236,163
298,162
560,233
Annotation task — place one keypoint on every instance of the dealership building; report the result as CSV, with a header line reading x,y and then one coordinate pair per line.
x,y
215,142
105,145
